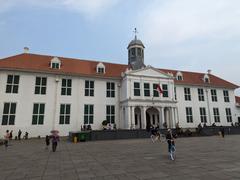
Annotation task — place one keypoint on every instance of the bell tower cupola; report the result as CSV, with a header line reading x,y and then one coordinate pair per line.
x,y
136,53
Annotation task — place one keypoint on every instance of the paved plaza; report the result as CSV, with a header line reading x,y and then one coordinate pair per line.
x,y
197,158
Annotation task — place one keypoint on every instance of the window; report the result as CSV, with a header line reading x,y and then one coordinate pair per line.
x,y
189,115
38,113
110,114
55,65
165,90
110,86
203,115
139,52
226,96
12,84
214,95
66,87
88,114
187,94
100,70
133,52
179,78
65,111
146,89
89,88
200,95
9,112
228,114
206,78
216,115
155,91
40,85
136,89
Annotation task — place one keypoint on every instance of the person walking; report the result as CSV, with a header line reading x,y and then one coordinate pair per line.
x,y
222,131
171,144
55,139
11,135
6,139
26,135
19,134
47,140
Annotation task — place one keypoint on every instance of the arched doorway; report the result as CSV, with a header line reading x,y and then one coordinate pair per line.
x,y
152,117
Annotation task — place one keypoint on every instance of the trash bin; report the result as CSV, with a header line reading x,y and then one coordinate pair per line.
x,y
84,136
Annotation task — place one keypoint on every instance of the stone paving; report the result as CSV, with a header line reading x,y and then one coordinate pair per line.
x,y
197,158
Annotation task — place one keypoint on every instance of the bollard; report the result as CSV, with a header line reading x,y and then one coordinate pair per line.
x,y
75,139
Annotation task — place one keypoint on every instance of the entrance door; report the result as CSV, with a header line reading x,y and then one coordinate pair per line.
x,y
239,120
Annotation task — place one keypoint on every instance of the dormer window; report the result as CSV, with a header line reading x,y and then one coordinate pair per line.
x,y
55,63
100,68
206,78
179,76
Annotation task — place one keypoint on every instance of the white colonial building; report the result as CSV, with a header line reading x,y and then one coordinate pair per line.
x,y
39,93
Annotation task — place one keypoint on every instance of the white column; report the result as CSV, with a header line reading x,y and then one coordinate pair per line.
x,y
121,119
132,118
177,116
55,104
128,117
143,117
172,118
162,116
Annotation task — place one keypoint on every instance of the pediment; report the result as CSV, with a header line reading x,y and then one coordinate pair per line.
x,y
149,72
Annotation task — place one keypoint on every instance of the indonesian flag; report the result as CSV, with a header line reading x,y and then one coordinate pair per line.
x,y
159,89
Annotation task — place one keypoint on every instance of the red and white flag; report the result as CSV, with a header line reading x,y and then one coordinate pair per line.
x,y
159,89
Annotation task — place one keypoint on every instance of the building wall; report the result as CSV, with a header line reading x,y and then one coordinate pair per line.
x,y
207,103
52,100
123,90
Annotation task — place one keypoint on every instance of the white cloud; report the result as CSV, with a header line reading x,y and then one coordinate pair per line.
x,y
177,21
88,8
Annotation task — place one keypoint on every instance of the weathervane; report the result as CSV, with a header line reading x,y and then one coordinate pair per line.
x,y
135,32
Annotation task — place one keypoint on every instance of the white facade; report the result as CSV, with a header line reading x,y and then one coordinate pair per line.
x,y
131,98
130,110
25,98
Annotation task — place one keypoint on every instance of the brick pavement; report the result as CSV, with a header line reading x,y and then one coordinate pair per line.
x,y
197,158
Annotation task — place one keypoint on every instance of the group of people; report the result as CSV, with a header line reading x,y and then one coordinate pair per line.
x,y
9,136
54,137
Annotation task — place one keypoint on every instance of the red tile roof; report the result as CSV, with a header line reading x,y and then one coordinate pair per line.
x,y
194,78
237,99
41,63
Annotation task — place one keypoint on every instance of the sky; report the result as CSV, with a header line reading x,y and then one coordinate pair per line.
x,y
189,35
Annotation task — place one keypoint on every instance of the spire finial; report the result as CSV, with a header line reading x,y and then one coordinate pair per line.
x,y
135,32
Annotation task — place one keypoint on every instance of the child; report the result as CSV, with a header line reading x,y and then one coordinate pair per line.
x,y
47,140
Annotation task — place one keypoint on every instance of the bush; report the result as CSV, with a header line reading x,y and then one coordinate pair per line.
x,y
104,123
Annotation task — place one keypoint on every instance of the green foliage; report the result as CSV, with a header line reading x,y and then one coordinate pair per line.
x,y
104,123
